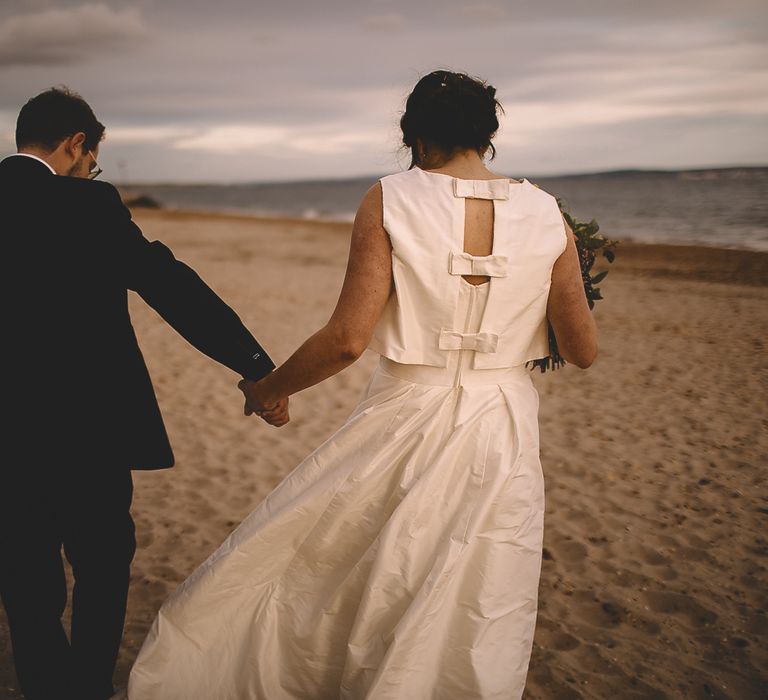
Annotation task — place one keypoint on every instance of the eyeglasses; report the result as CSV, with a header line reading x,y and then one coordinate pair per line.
x,y
95,171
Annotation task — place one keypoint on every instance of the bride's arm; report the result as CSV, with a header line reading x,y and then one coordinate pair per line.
x,y
367,286
568,310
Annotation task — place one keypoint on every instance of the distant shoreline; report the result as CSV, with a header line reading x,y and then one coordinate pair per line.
x,y
714,207
694,262
702,173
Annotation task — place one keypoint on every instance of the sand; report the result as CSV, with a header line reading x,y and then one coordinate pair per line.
x,y
654,581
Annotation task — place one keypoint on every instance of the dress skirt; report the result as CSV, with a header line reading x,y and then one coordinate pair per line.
x,y
400,560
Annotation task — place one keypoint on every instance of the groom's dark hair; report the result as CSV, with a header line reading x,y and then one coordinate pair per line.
x,y
50,117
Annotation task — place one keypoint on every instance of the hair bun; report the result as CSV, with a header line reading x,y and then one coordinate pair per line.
x,y
450,111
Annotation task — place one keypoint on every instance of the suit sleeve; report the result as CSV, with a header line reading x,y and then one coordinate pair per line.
x,y
183,299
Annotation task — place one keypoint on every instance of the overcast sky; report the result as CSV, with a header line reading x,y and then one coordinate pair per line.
x,y
243,90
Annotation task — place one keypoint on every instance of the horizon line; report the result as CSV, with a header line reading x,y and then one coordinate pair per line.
x,y
374,177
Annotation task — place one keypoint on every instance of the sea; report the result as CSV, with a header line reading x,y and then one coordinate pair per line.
x,y
721,207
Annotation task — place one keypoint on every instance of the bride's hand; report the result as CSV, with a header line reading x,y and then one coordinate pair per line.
x,y
277,415
273,411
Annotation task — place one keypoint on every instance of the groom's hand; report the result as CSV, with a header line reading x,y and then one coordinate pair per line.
x,y
276,415
274,412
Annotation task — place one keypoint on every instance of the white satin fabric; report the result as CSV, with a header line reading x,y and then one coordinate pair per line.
x,y
399,561
424,215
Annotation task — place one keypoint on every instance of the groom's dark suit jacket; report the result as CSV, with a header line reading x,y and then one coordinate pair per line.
x,y
74,382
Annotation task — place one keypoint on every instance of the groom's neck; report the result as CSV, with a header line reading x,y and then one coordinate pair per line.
x,y
52,158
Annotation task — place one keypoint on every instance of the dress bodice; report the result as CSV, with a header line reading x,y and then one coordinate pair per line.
x,y
424,216
460,368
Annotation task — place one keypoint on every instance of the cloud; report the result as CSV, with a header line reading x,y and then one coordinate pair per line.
x,y
55,37
241,138
337,140
233,138
608,98
483,12
146,134
384,23
586,85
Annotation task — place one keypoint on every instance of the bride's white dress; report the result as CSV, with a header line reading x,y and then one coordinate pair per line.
x,y
399,561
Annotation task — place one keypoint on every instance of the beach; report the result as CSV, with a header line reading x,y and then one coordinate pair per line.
x,y
654,581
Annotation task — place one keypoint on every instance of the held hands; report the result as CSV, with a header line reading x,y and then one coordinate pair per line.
x,y
274,412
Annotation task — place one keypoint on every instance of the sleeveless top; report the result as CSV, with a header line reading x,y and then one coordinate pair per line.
x,y
424,217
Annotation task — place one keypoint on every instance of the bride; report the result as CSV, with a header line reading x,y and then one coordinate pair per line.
x,y
401,559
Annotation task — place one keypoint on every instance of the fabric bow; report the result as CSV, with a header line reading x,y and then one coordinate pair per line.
x,y
481,189
488,265
479,342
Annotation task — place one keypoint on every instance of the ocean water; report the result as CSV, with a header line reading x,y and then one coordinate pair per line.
x,y
725,207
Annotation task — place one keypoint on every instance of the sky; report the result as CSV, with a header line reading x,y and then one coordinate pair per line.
x,y
249,91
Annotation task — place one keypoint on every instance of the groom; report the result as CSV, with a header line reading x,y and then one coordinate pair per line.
x,y
80,411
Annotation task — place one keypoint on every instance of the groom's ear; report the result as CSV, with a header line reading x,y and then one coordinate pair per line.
x,y
70,147
74,146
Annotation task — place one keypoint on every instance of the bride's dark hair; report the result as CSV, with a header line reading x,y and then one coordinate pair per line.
x,y
450,111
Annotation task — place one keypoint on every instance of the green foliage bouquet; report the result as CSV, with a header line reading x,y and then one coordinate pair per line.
x,y
588,244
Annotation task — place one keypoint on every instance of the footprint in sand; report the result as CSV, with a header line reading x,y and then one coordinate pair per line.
x,y
163,572
679,604
645,625
668,574
605,613
190,529
562,641
653,557
571,552
630,579
551,636
694,554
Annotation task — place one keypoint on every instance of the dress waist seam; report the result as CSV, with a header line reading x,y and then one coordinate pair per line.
x,y
446,376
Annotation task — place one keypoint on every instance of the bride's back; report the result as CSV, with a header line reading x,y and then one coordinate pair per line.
x,y
446,231
488,229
